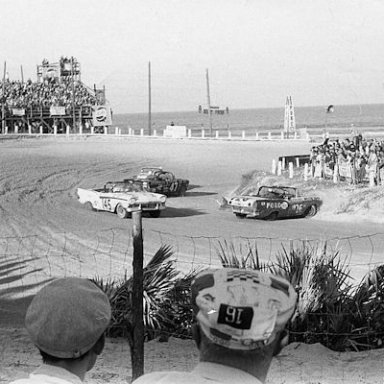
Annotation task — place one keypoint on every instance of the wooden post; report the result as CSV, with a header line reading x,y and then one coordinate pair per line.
x,y
137,347
217,134
243,135
154,132
273,167
306,171
202,133
257,135
269,136
297,162
189,133
283,163
290,167
141,132
279,168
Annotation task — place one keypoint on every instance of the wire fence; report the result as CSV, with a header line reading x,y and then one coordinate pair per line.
x,y
27,262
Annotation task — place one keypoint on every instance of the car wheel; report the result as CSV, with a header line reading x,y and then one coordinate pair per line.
x,y
311,211
155,213
183,190
121,212
88,205
272,216
240,215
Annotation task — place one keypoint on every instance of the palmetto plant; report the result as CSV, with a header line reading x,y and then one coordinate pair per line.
x,y
165,296
330,310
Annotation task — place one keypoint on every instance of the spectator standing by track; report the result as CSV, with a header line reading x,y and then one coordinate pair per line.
x,y
241,319
66,321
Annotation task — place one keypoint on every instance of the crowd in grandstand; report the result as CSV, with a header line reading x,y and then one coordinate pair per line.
x,y
354,159
54,91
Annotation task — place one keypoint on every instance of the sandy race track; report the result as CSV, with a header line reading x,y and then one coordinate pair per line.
x,y
45,232
42,219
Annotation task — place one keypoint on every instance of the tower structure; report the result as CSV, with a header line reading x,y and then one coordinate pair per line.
x,y
289,117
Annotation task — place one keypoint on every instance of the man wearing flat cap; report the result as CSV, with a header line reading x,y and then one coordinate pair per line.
x,y
66,321
241,316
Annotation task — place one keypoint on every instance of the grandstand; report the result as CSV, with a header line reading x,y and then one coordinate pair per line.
x,y
57,102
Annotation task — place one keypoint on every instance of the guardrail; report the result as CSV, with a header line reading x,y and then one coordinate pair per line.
x,y
190,134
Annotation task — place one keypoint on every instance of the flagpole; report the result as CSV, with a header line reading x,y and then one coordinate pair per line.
x,y
3,101
149,101
209,105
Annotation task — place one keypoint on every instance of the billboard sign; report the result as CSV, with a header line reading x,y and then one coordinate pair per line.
x,y
101,116
56,110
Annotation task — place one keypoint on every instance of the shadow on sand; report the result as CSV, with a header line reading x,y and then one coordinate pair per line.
x,y
180,212
12,283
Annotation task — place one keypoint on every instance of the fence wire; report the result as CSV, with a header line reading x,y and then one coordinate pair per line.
x,y
28,262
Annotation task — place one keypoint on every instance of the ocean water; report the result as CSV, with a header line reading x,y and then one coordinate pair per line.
x,y
344,119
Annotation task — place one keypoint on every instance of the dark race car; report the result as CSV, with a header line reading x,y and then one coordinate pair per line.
x,y
156,180
274,202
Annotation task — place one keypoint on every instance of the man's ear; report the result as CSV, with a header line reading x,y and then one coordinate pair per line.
x,y
196,334
281,342
99,346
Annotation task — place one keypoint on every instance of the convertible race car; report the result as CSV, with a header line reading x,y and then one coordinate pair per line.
x,y
274,202
122,197
155,179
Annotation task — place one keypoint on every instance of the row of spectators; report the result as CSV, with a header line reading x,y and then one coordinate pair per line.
x,y
52,91
353,159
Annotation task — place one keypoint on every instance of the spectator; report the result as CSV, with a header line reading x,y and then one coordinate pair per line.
x,y
66,321
241,318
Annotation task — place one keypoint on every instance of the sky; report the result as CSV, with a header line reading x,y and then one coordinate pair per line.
x,y
256,52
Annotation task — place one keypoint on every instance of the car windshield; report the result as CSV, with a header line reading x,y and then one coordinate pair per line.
x,y
125,187
276,192
149,171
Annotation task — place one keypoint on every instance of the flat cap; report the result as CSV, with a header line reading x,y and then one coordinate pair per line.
x,y
67,317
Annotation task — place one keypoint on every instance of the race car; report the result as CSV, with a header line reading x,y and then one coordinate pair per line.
x,y
155,179
275,202
122,197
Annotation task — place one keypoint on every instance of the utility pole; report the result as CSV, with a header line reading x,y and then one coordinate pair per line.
x,y
209,105
149,101
3,101
73,97
22,74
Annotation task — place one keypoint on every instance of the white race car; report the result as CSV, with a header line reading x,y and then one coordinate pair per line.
x,y
122,198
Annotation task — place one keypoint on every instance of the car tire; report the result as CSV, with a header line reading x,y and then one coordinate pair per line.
x,y
240,215
88,206
121,212
272,216
155,214
311,211
183,190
